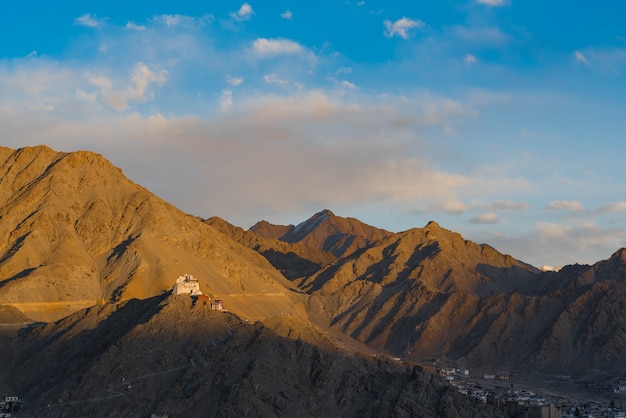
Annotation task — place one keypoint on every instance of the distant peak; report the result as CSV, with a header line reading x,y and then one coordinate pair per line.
x,y
36,148
432,225
621,254
312,222
324,213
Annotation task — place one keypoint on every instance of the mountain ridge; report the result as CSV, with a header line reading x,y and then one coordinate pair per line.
x,y
324,231
75,230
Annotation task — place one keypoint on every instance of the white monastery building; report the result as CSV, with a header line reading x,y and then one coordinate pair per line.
x,y
187,285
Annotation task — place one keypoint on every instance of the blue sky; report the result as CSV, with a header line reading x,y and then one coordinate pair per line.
x,y
500,119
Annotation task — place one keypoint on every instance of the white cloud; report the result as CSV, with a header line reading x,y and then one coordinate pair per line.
x,y
556,244
226,101
234,81
264,47
613,207
572,205
343,70
99,81
470,59
177,20
169,20
580,57
134,26
274,79
485,218
493,3
311,142
452,205
286,15
244,13
89,20
137,91
401,27
509,205
481,36
348,85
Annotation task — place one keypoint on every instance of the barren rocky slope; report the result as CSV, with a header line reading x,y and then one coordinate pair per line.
x,y
295,261
74,230
163,354
428,292
325,231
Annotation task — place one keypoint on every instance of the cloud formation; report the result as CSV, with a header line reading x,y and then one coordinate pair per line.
x,y
613,207
244,13
401,27
234,81
509,205
226,101
470,59
485,218
571,205
556,244
264,47
580,57
89,20
165,99
134,26
137,91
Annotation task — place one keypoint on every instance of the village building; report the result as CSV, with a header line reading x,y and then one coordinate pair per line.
x,y
187,285
9,405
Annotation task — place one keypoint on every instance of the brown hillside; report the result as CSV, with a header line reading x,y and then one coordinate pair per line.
x,y
428,292
214,364
74,230
294,261
325,232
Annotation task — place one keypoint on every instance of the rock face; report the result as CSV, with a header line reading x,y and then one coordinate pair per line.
x,y
74,230
302,250
295,261
326,232
213,364
429,292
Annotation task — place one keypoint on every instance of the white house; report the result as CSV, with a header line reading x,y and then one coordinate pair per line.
x,y
187,285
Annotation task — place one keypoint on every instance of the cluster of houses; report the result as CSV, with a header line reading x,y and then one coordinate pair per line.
x,y
516,404
188,285
9,405
526,403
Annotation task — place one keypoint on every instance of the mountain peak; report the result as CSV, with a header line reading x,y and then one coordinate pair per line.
x,y
433,225
325,212
621,254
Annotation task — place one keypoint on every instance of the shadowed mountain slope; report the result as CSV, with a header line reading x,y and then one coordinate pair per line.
x,y
74,230
294,261
326,232
214,364
428,292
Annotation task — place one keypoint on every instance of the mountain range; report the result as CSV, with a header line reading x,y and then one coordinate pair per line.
x,y
88,259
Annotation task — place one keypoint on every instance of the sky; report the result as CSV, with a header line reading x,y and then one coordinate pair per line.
x,y
502,120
